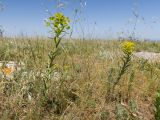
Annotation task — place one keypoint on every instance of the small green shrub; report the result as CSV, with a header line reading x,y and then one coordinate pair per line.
x,y
127,48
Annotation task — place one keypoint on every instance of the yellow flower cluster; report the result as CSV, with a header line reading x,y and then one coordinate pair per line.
x,y
60,18
59,22
128,47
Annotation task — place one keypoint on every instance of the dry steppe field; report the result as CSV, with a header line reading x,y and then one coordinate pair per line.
x,y
80,88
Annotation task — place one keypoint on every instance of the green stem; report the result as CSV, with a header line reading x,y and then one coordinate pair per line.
x,y
122,70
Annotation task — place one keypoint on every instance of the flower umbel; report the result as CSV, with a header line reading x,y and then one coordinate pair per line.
x,y
59,23
128,47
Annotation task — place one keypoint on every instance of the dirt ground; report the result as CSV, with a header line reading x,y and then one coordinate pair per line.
x,y
151,56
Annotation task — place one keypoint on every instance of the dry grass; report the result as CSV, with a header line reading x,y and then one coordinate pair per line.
x,y
87,69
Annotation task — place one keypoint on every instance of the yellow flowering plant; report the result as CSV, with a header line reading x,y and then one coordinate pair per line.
x,y
127,48
59,24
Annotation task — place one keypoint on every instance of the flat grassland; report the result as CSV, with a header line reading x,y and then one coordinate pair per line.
x,y
80,87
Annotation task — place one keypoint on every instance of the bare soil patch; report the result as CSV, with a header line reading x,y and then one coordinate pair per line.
x,y
151,56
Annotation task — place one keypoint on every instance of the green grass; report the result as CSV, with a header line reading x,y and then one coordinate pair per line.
x,y
79,87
